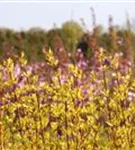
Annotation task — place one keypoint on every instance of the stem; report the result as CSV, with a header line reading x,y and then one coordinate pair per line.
x,y
1,130
1,127
20,130
66,126
36,132
49,125
40,120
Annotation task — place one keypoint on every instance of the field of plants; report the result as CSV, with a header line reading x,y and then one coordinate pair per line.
x,y
73,100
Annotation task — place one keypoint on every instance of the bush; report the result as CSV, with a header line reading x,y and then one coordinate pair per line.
x,y
49,106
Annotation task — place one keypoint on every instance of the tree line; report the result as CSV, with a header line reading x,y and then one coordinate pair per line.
x,y
69,37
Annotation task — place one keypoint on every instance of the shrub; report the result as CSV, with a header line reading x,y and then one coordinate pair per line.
x,y
48,106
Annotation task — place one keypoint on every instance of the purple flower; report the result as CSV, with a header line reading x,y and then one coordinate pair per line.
x,y
17,70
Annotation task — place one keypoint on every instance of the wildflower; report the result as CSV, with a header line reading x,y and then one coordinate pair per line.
x,y
113,74
62,79
116,55
130,93
101,50
79,50
129,99
69,54
17,71
121,54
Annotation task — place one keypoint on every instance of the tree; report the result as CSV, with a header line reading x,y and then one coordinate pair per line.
x,y
71,34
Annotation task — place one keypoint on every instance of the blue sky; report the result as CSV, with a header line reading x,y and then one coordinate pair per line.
x,y
26,15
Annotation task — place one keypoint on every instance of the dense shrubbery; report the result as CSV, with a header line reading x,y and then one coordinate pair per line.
x,y
33,40
115,39
54,105
67,99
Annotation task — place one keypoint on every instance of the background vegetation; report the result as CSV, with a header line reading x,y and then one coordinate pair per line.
x,y
65,98
32,42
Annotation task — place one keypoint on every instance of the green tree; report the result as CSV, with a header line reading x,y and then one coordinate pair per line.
x,y
72,33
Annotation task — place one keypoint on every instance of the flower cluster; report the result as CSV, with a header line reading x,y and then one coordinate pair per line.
x,y
48,106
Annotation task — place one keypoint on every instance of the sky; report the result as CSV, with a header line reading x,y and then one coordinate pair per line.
x,y
23,16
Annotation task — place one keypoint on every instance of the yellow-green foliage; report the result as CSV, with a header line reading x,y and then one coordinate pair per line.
x,y
56,115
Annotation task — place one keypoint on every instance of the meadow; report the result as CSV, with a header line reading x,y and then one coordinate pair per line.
x,y
70,101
